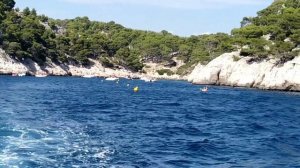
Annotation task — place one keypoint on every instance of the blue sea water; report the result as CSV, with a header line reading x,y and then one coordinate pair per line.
x,y
77,122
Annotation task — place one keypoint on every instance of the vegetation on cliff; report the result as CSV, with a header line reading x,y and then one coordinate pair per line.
x,y
24,34
280,26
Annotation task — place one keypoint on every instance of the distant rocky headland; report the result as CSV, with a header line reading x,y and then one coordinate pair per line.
x,y
231,69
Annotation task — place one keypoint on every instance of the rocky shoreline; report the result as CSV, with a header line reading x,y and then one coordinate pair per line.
x,y
10,66
230,69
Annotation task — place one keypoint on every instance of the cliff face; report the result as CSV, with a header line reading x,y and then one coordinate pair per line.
x,y
27,66
10,66
232,70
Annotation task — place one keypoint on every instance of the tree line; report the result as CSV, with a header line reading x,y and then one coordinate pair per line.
x,y
24,34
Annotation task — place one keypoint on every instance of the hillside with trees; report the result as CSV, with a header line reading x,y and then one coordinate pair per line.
x,y
24,34
280,26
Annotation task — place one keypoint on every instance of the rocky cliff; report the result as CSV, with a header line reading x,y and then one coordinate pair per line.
x,y
228,69
29,67
233,70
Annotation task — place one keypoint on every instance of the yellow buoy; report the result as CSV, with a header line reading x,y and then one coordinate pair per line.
x,y
136,89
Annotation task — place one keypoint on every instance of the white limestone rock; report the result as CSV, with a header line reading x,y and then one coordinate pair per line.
x,y
225,70
9,65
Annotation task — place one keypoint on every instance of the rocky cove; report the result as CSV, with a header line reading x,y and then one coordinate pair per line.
x,y
229,69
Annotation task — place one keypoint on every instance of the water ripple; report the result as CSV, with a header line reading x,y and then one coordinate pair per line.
x,y
76,122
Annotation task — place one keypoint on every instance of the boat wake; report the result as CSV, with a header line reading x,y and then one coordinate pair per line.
x,y
34,148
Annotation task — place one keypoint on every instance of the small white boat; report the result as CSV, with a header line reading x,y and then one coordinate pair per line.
x,y
18,74
111,79
40,76
22,74
88,76
148,79
205,89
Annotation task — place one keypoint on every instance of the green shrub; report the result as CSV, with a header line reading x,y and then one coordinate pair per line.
x,y
147,66
247,52
236,58
106,62
165,71
185,69
82,57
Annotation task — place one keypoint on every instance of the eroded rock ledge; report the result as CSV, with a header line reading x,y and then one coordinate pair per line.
x,y
232,70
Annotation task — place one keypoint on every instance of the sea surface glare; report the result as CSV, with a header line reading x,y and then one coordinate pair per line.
x,y
78,122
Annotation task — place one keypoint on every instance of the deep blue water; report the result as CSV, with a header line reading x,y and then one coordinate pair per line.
x,y
77,122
